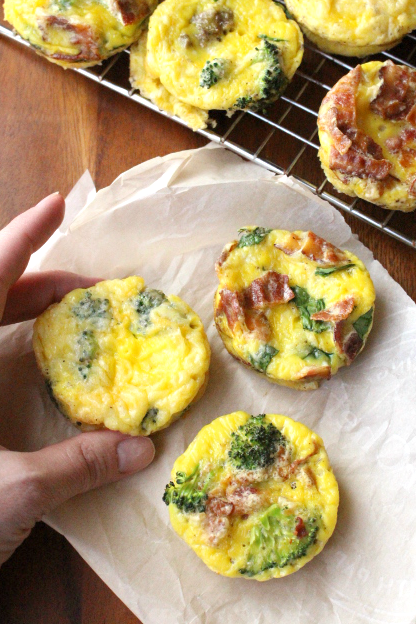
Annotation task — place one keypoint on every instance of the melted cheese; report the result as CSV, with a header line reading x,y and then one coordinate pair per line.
x,y
353,27
119,369
293,342
319,498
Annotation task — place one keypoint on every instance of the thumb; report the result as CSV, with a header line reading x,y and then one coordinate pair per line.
x,y
32,484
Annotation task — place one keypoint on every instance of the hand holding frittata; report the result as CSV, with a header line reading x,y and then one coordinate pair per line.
x,y
33,484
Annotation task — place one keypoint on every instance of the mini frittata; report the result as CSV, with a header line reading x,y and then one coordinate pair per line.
x,y
221,54
292,306
122,356
254,496
367,130
78,33
354,27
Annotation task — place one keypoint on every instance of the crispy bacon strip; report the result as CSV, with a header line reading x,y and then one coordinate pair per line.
x,y
80,35
358,164
349,343
397,93
257,324
315,372
219,506
313,247
341,310
130,11
224,255
270,289
253,321
300,528
245,498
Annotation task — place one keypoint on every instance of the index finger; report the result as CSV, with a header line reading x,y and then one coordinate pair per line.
x,y
23,236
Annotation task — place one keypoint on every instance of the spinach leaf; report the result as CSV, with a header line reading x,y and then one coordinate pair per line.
x,y
307,305
252,237
261,360
317,354
330,270
362,324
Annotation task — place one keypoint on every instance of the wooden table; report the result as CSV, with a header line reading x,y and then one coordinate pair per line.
x,y
53,126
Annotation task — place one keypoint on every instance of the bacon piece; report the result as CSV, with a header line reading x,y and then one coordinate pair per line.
x,y
217,528
270,289
341,310
232,304
358,164
340,120
298,462
80,35
300,528
258,325
224,255
396,96
412,188
313,247
219,506
129,11
310,476
312,372
349,343
245,498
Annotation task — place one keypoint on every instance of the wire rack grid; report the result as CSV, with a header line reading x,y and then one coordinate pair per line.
x,y
290,122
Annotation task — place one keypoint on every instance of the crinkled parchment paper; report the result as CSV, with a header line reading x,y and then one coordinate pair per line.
x,y
168,220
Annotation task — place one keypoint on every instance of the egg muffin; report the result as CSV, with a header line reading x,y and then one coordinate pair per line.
x,y
151,88
367,131
354,27
78,33
254,496
223,54
292,306
122,356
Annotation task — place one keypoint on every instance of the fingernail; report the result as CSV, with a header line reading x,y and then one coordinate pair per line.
x,y
134,454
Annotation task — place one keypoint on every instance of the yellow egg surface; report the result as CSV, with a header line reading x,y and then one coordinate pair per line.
x,y
78,33
223,54
122,356
353,27
151,88
254,496
367,131
291,305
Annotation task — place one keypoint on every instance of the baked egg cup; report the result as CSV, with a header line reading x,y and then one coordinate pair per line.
x,y
367,132
254,496
122,356
353,27
292,306
78,33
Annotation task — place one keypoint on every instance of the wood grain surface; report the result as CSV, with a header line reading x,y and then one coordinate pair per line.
x,y
54,124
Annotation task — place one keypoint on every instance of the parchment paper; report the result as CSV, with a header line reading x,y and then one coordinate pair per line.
x,y
167,220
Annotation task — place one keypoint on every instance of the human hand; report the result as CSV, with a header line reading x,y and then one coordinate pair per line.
x,y
32,484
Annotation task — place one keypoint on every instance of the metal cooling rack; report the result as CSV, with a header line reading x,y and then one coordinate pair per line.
x,y
291,121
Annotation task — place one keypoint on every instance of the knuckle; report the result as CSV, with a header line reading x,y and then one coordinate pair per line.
x,y
96,466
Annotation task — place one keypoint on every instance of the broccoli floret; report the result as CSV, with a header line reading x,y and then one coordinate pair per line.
x,y
144,303
277,540
334,269
212,72
89,308
87,350
362,324
307,305
262,358
190,492
149,418
254,444
252,237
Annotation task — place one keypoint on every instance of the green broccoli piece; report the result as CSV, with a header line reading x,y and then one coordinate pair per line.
x,y
363,323
91,309
149,419
254,445
190,492
277,540
87,350
144,303
262,358
307,305
330,270
252,237
212,72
